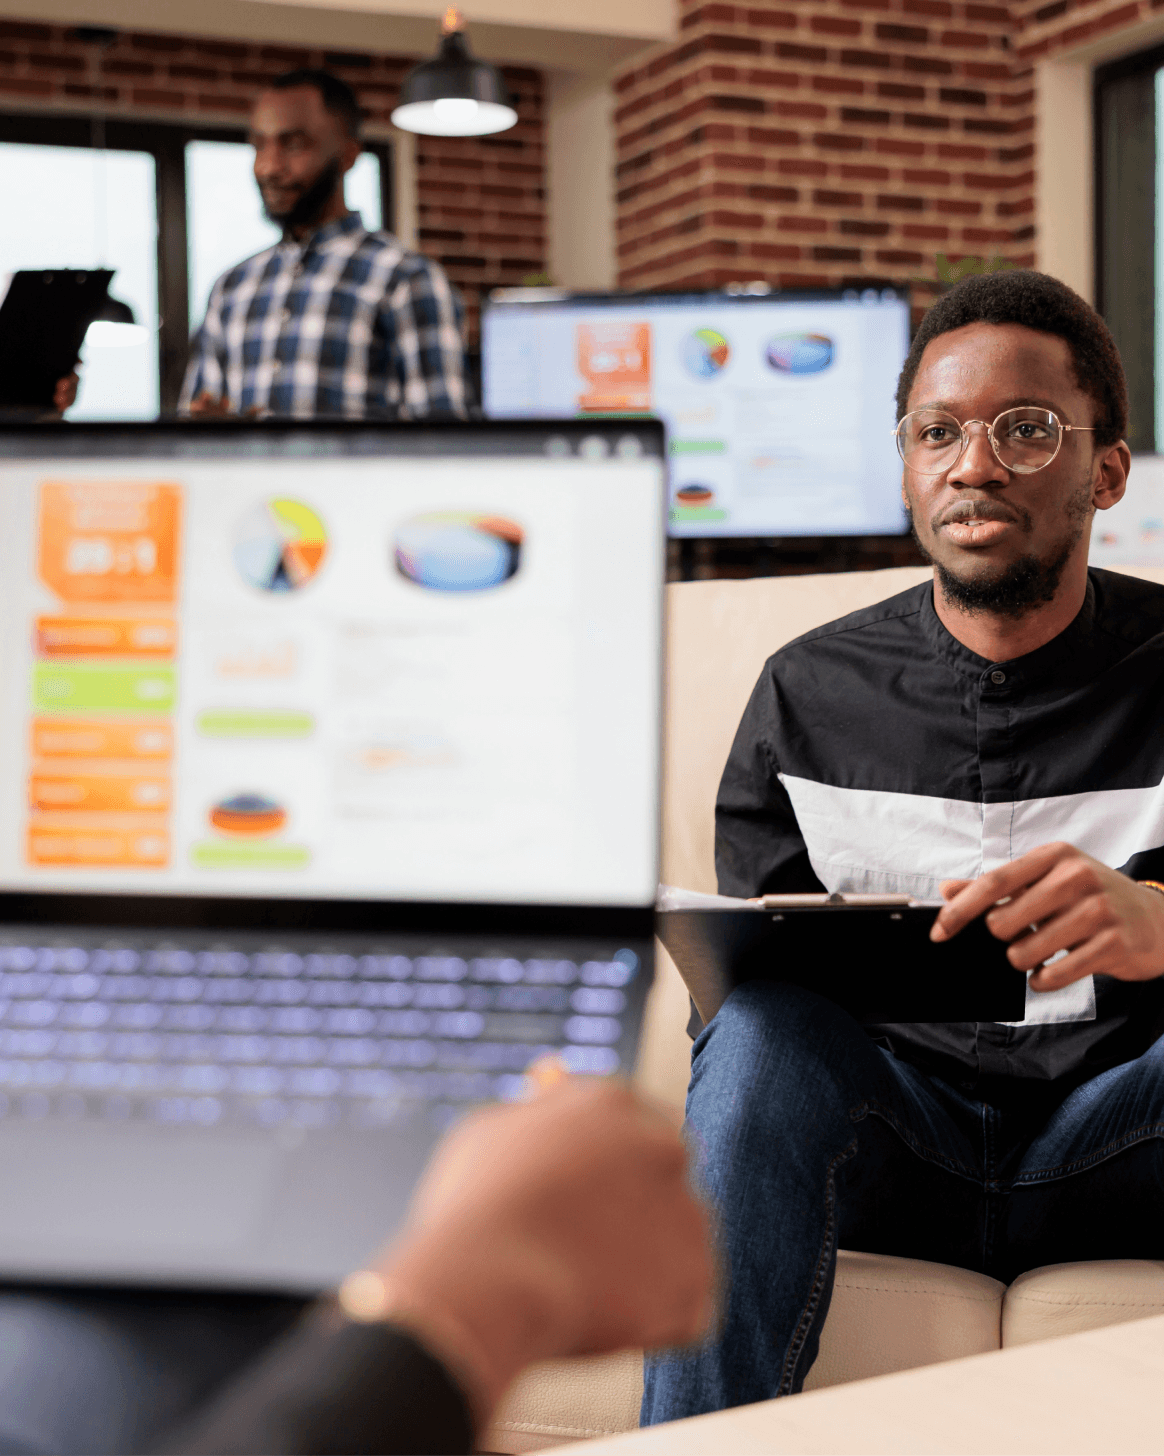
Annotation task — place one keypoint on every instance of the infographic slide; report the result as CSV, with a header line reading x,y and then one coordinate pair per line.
x,y
779,412
413,680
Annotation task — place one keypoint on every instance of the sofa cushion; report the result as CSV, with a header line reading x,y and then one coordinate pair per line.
x,y
559,1401
891,1314
887,1314
719,635
1062,1299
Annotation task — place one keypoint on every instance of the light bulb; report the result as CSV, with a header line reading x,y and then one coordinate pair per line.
x,y
455,110
454,116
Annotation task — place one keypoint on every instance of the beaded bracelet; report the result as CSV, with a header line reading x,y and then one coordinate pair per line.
x,y
1152,885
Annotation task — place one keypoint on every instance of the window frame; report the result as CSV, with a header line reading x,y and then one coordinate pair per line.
x,y
1125,238
166,142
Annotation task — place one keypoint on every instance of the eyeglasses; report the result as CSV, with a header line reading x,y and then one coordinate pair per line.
x,y
930,442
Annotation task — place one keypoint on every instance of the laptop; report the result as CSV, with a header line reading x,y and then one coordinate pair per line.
x,y
329,800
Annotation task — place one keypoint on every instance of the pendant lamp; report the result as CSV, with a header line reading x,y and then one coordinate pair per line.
x,y
454,94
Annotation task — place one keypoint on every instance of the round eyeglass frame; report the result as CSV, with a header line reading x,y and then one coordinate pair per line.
x,y
989,428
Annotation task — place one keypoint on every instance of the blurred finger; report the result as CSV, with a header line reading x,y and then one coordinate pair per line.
x,y
546,1073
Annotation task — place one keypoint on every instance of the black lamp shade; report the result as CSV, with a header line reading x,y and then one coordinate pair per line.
x,y
454,94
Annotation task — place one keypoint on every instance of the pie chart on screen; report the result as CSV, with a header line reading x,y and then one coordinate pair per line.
x,y
705,352
455,551
800,353
279,545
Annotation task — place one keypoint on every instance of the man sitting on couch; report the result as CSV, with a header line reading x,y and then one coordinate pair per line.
x,y
996,737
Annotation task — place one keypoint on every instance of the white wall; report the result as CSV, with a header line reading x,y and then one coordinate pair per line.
x,y
1064,200
580,180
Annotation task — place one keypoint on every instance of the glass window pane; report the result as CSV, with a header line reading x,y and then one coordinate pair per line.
x,y
81,208
224,213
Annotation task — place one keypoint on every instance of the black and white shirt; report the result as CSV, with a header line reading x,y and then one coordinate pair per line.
x,y
879,754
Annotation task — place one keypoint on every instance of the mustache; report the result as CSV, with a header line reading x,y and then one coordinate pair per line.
x,y
987,509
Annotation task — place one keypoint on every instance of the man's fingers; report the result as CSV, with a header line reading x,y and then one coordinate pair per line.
x,y
1067,931
949,888
1098,956
1000,884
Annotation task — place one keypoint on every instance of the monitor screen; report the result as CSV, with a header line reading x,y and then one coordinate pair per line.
x,y
400,663
779,407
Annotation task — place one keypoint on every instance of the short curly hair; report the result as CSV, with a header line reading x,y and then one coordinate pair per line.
x,y
1040,302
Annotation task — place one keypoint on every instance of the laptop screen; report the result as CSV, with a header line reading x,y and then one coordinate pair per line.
x,y
393,663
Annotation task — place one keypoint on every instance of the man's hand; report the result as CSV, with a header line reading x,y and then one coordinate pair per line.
x,y
560,1226
1058,898
209,406
65,394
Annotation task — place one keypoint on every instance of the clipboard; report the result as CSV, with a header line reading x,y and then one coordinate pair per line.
x,y
871,954
43,320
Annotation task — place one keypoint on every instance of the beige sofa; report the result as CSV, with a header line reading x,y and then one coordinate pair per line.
x,y
887,1314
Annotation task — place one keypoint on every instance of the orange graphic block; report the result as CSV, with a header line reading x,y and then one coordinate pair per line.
x,y
109,540
93,738
615,360
104,637
146,847
104,793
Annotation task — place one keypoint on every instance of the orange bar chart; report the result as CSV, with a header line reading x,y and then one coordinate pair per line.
x,y
96,738
145,845
102,685
105,637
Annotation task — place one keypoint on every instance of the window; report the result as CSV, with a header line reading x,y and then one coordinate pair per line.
x,y
1129,110
86,209
170,208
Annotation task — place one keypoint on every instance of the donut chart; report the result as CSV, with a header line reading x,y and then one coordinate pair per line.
x,y
799,353
248,815
280,545
458,551
694,495
706,352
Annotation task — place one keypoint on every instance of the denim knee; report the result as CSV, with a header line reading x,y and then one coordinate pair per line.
x,y
781,1059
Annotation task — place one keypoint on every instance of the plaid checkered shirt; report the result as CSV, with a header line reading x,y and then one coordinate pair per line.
x,y
345,323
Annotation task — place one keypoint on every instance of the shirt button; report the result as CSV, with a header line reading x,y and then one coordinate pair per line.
x,y
998,677
277,367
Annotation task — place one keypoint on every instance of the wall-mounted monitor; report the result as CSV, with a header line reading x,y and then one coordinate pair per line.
x,y
779,407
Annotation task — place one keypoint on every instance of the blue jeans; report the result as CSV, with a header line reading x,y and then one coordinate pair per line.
x,y
807,1137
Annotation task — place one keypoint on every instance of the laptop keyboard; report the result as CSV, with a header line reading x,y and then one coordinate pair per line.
x,y
281,1037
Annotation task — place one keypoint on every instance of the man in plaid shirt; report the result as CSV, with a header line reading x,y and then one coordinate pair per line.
x,y
333,320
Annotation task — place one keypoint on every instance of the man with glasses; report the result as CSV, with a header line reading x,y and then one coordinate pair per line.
x,y
996,739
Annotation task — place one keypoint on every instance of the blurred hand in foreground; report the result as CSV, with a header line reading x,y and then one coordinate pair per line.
x,y
560,1226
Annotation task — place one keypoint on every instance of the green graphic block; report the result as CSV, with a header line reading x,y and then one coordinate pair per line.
x,y
234,854
697,447
697,513
252,723
77,687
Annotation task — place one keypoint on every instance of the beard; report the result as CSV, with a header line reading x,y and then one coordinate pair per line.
x,y
1022,585
309,205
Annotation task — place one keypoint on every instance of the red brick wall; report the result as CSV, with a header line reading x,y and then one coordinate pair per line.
x,y
481,200
824,142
